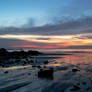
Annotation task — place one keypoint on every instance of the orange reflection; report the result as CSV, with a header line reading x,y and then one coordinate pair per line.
x,y
43,47
76,58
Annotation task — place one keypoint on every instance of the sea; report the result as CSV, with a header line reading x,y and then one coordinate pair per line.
x,y
68,56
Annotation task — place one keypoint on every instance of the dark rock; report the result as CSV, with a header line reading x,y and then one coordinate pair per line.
x,y
15,57
75,70
46,62
33,65
6,72
44,66
29,73
47,73
88,89
31,61
75,88
78,83
39,67
84,83
2,65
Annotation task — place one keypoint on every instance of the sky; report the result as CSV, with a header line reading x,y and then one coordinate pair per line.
x,y
46,25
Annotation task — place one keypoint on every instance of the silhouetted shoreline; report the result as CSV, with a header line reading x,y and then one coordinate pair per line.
x,y
13,57
20,57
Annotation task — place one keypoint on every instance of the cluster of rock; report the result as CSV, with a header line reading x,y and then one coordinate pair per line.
x,y
15,57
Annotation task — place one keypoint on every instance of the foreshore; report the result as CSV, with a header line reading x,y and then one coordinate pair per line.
x,y
48,73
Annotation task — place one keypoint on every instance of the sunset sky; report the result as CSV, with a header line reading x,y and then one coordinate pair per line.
x,y
46,25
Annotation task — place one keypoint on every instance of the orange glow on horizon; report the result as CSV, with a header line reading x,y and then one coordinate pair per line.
x,y
49,42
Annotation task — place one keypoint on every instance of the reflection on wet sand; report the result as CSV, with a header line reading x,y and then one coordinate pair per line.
x,y
76,58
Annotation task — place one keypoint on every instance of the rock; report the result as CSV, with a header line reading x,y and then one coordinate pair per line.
x,y
46,62
75,70
29,73
33,65
78,83
84,83
47,73
2,65
6,72
88,89
39,67
31,61
44,67
75,88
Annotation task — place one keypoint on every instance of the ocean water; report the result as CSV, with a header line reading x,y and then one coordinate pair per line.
x,y
73,58
76,58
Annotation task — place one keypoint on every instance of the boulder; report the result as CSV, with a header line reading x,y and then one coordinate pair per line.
x,y
75,70
46,73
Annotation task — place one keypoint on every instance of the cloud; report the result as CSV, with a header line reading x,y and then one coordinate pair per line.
x,y
43,38
74,26
68,34
17,43
80,47
8,43
84,36
30,23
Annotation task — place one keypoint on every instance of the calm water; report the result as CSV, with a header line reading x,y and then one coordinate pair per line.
x,y
75,58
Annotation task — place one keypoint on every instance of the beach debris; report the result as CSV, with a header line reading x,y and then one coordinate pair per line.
x,y
75,88
75,70
45,73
